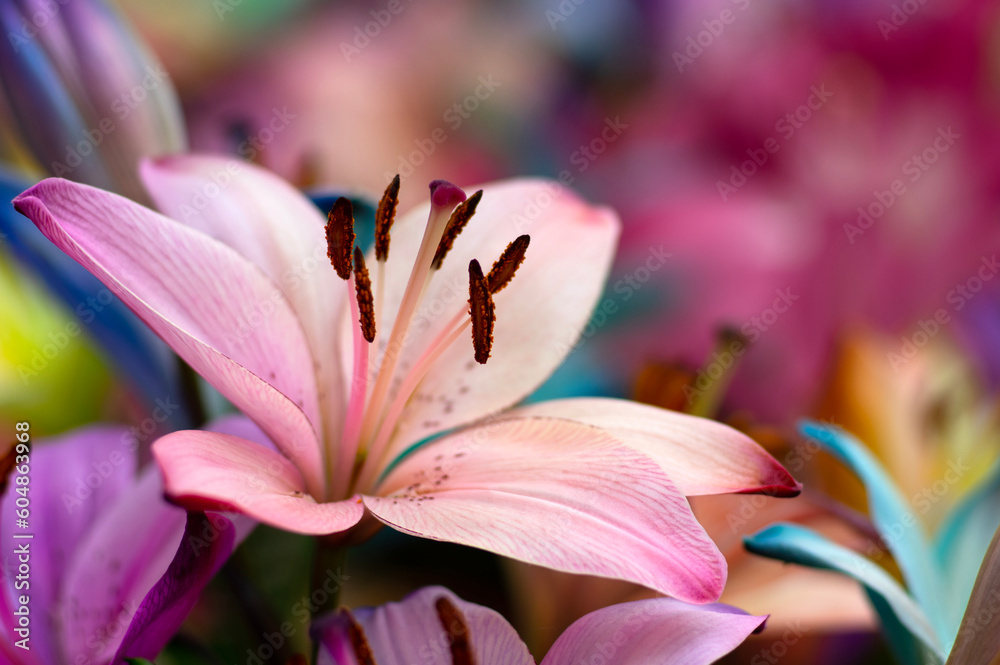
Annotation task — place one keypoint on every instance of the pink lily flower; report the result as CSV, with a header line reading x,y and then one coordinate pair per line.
x,y
236,279
442,629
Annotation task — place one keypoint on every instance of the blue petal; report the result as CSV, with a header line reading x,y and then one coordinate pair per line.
x,y
906,625
140,357
899,527
962,542
364,212
47,117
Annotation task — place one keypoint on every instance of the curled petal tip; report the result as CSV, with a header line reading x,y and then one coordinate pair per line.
x,y
445,195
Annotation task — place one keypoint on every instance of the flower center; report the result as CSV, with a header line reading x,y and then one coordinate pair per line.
x,y
373,412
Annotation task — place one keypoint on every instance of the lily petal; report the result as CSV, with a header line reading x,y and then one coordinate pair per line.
x,y
701,456
138,354
978,641
650,632
796,544
540,313
75,479
277,229
220,314
964,540
396,631
209,470
204,547
559,494
120,560
900,529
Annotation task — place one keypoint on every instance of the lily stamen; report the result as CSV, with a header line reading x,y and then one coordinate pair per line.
x,y
499,276
444,198
463,213
385,214
483,312
363,293
340,236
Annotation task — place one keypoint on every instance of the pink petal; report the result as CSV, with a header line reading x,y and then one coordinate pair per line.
x,y
218,311
652,632
277,229
700,455
114,568
539,314
558,494
397,631
978,641
208,470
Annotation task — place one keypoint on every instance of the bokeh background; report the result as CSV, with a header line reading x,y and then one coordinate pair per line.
x,y
810,197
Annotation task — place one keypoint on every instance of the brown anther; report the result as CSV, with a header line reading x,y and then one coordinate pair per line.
x,y
384,216
459,218
503,270
482,311
340,236
366,302
362,650
458,631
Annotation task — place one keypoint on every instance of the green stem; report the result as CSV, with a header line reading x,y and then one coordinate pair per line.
x,y
191,393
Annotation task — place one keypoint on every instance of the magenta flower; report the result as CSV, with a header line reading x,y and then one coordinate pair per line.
x,y
237,280
440,628
109,569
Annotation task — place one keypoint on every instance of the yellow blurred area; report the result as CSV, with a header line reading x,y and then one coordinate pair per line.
x,y
50,374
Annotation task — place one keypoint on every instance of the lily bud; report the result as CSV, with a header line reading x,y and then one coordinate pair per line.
x,y
84,95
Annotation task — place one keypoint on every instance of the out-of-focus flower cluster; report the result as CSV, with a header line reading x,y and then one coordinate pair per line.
x,y
751,249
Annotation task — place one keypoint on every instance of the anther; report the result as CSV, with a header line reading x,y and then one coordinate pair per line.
x,y
384,216
340,236
458,631
482,312
362,650
503,270
459,218
366,302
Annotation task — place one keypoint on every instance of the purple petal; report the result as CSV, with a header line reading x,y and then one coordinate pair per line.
x,y
74,479
119,560
206,544
418,625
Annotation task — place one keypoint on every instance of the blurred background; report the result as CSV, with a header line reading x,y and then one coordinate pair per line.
x,y
810,197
